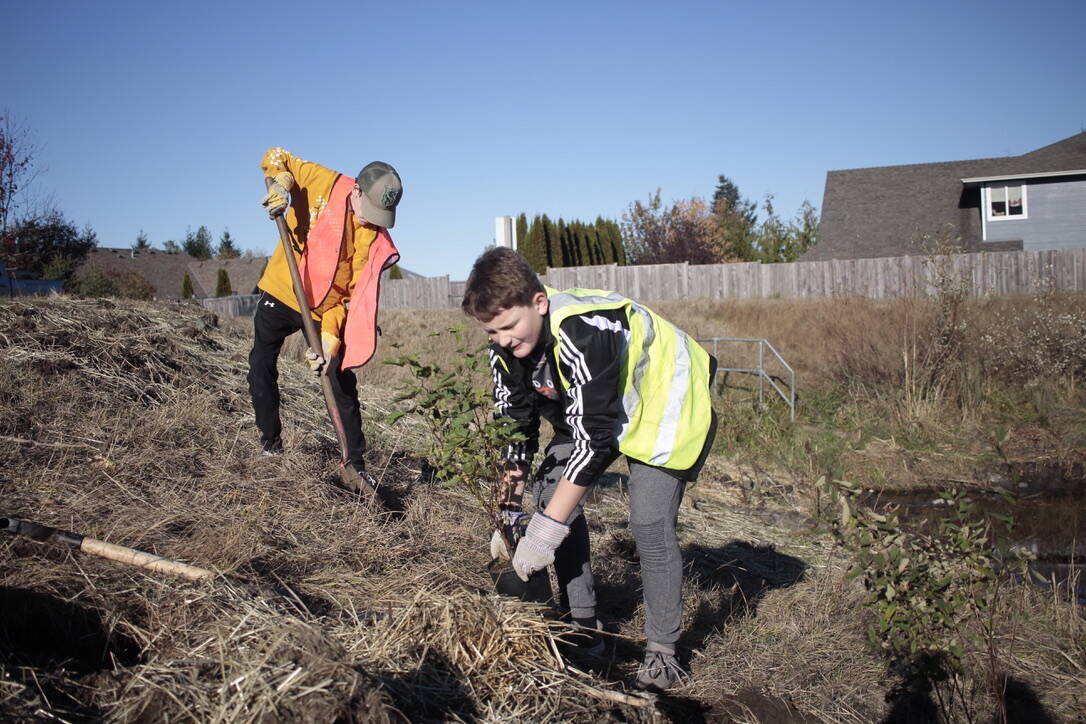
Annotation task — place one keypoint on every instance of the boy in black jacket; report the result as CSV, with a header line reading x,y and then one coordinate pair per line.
x,y
613,378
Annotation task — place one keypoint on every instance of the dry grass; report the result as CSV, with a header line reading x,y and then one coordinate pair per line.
x,y
131,423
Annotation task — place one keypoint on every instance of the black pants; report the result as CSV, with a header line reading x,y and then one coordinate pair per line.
x,y
273,323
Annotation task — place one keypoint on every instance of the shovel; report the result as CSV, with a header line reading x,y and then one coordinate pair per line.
x,y
351,479
110,551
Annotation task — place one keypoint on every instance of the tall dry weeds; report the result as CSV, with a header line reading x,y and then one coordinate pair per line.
x,y
131,422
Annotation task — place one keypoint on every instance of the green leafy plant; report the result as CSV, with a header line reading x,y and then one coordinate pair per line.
x,y
465,444
92,281
934,594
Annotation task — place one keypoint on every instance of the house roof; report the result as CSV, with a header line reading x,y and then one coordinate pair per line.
x,y
1023,176
243,272
888,210
163,270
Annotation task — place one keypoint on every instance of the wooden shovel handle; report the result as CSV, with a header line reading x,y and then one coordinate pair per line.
x,y
133,557
347,474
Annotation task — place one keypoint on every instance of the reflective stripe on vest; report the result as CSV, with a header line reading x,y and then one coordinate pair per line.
x,y
663,382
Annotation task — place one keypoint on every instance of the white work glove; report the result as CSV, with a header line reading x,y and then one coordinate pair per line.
x,y
498,547
276,200
511,518
536,549
329,346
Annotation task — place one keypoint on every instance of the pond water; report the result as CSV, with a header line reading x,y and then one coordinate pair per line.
x,y
1049,514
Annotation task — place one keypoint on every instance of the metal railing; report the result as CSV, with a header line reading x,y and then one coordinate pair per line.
x,y
789,397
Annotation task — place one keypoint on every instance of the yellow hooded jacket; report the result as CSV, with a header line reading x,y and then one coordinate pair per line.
x,y
312,185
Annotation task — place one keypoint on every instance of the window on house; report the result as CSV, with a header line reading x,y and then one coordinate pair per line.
x,y
1006,202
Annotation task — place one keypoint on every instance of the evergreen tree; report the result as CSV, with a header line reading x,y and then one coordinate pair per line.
x,y
522,230
594,247
607,254
728,192
141,241
557,244
30,244
597,242
198,245
534,248
614,233
736,220
394,272
186,287
571,245
227,249
170,246
562,232
584,245
553,243
222,284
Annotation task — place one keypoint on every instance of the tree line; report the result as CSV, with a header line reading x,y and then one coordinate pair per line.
x,y
726,229
545,243
729,228
197,244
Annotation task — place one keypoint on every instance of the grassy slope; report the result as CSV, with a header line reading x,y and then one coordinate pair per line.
x,y
131,423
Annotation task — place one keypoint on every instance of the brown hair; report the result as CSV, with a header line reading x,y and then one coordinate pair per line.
x,y
500,279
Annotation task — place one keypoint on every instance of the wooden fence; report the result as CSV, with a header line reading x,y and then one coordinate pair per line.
x,y
238,305
982,274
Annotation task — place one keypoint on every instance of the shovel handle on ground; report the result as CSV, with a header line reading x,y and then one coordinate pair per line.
x,y
102,549
350,478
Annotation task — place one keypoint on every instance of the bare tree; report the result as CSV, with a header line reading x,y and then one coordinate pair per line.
x,y
17,169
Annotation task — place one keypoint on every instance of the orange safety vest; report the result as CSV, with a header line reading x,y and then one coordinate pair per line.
x,y
318,270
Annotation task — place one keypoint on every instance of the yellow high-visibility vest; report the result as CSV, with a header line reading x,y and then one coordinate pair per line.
x,y
664,380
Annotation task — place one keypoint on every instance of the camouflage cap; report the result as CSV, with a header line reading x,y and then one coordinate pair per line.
x,y
380,192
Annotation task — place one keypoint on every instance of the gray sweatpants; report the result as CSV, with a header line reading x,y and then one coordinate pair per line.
x,y
654,506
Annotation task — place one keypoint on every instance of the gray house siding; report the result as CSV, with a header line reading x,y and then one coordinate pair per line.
x,y
1055,217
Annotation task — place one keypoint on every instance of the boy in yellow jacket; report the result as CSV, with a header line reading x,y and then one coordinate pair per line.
x,y
342,221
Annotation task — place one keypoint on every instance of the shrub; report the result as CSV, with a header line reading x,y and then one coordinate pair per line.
x,y
133,286
932,593
222,284
61,268
1044,339
92,281
465,442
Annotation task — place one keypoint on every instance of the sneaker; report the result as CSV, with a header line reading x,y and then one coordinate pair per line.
x,y
365,477
660,671
272,449
586,639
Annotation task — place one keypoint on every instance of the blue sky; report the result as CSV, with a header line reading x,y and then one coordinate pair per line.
x,y
154,115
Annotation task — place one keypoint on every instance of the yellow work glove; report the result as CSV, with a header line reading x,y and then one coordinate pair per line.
x,y
329,347
275,201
